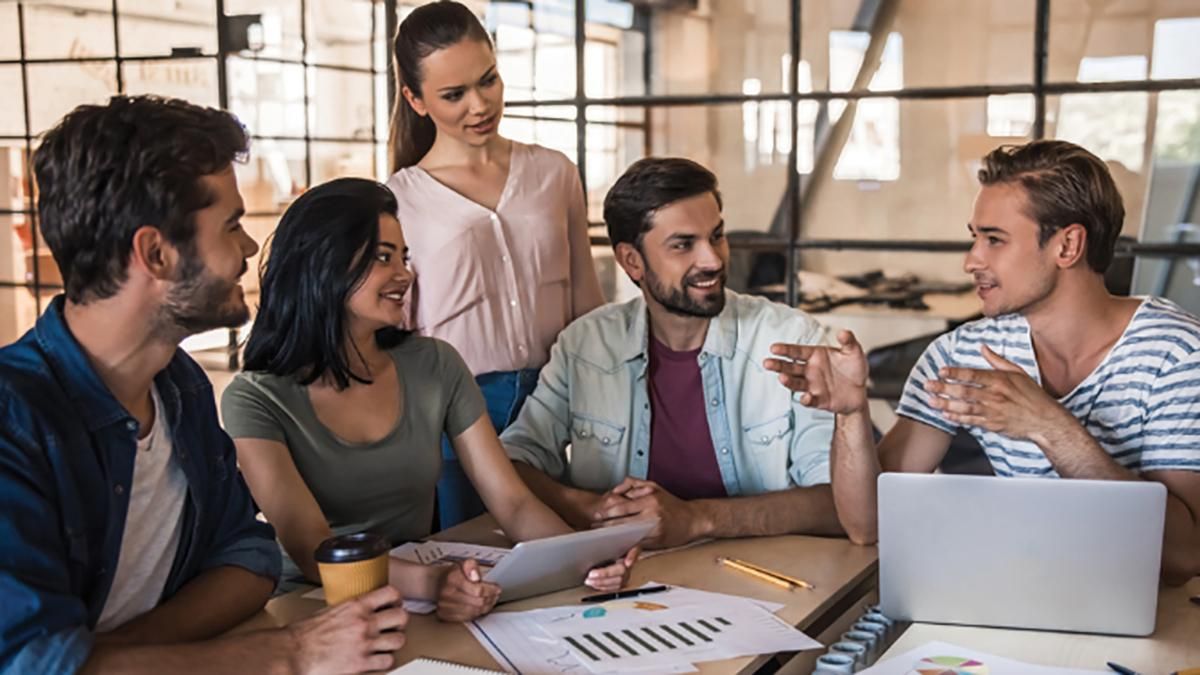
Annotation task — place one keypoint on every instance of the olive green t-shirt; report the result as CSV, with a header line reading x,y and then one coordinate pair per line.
x,y
385,487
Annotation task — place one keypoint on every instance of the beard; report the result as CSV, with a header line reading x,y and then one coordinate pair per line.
x,y
677,300
201,301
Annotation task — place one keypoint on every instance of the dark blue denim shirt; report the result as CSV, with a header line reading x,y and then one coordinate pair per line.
x,y
67,449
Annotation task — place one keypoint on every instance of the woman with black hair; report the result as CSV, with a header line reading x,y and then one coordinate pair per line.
x,y
498,228
338,416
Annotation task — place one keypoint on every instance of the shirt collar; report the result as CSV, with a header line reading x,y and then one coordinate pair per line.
x,y
720,341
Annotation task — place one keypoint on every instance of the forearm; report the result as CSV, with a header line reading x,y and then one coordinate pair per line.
x,y
573,505
855,468
530,518
206,606
1075,454
806,510
416,581
1181,543
266,651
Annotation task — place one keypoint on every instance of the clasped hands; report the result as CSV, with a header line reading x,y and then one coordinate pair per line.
x,y
1003,399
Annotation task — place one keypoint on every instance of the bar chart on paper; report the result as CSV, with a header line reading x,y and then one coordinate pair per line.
x,y
648,635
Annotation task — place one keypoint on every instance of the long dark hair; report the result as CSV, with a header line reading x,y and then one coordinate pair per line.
x,y
318,257
424,31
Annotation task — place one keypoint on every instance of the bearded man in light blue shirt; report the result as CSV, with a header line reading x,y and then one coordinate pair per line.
x,y
660,407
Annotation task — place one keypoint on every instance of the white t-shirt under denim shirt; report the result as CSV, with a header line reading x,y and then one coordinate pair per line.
x,y
1141,404
152,527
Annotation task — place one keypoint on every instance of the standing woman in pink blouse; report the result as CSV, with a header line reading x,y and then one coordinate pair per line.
x,y
497,229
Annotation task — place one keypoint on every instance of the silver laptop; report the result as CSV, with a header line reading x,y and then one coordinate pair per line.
x,y
1054,554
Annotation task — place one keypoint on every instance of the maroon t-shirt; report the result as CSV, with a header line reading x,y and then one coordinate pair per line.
x,y
682,458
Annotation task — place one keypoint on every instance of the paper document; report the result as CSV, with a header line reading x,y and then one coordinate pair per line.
x,y
434,667
941,658
659,633
430,552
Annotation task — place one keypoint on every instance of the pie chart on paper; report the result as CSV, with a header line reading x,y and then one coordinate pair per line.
x,y
949,665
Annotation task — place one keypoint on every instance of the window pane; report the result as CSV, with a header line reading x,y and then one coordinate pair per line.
x,y
939,145
273,176
611,148
340,104
55,89
280,25
335,160
194,81
1092,41
72,28
723,47
535,48
18,313
154,28
12,116
10,40
340,32
267,97
1173,182
14,177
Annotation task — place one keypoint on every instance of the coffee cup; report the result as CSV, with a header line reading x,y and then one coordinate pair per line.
x,y
352,565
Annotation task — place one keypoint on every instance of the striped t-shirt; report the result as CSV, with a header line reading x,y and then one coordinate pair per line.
x,y
1141,404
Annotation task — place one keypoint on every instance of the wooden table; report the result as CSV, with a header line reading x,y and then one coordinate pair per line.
x,y
844,575
1175,644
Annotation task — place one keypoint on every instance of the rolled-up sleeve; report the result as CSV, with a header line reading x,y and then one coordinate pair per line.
x,y
540,435
43,625
239,538
812,437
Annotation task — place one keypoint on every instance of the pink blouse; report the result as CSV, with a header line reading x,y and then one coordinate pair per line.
x,y
499,285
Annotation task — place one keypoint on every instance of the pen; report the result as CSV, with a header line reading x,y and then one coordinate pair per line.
x,y
1121,669
793,580
760,575
605,597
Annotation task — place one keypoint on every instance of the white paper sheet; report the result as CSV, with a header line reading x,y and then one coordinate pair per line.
x,y
523,642
943,657
430,552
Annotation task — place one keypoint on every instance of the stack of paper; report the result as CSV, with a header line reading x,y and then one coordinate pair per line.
x,y
660,633
940,658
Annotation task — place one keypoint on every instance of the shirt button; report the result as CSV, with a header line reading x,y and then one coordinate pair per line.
x,y
495,218
521,348
512,302
715,402
724,451
583,434
764,438
641,453
119,489
604,440
645,406
131,425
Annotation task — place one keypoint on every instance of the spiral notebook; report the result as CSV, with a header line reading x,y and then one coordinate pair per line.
x,y
432,667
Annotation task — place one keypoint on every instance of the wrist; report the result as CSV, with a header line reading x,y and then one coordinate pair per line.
x,y
701,522
584,505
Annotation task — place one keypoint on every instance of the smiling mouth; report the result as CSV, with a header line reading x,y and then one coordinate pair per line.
x,y
395,296
485,125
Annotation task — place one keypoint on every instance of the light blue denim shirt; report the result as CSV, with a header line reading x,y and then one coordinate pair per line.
x,y
592,397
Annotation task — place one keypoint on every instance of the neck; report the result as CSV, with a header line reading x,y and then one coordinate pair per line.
x,y
364,355
448,151
1078,318
122,346
677,332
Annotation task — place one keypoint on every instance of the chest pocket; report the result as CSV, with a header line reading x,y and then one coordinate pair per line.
x,y
595,447
774,432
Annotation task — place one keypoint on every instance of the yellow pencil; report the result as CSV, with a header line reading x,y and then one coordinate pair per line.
x,y
762,576
799,582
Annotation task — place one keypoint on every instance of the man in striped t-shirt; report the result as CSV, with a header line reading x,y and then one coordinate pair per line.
x,y
1060,379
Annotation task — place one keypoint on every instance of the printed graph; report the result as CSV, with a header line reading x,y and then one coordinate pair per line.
x,y
648,640
949,665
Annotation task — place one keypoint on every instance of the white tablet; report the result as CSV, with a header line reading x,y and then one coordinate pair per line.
x,y
554,563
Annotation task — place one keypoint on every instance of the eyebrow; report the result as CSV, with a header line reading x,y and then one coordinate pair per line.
x,y
390,245
985,229
456,87
236,215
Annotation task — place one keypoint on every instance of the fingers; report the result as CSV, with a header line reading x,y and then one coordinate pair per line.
x,y
632,556
973,376
470,570
786,367
625,485
793,352
393,618
381,597
382,661
998,362
962,392
847,340
629,507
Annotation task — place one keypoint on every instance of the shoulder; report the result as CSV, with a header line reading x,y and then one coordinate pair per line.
x,y
28,384
774,321
258,387
608,322
1165,331
405,186
546,162
422,353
